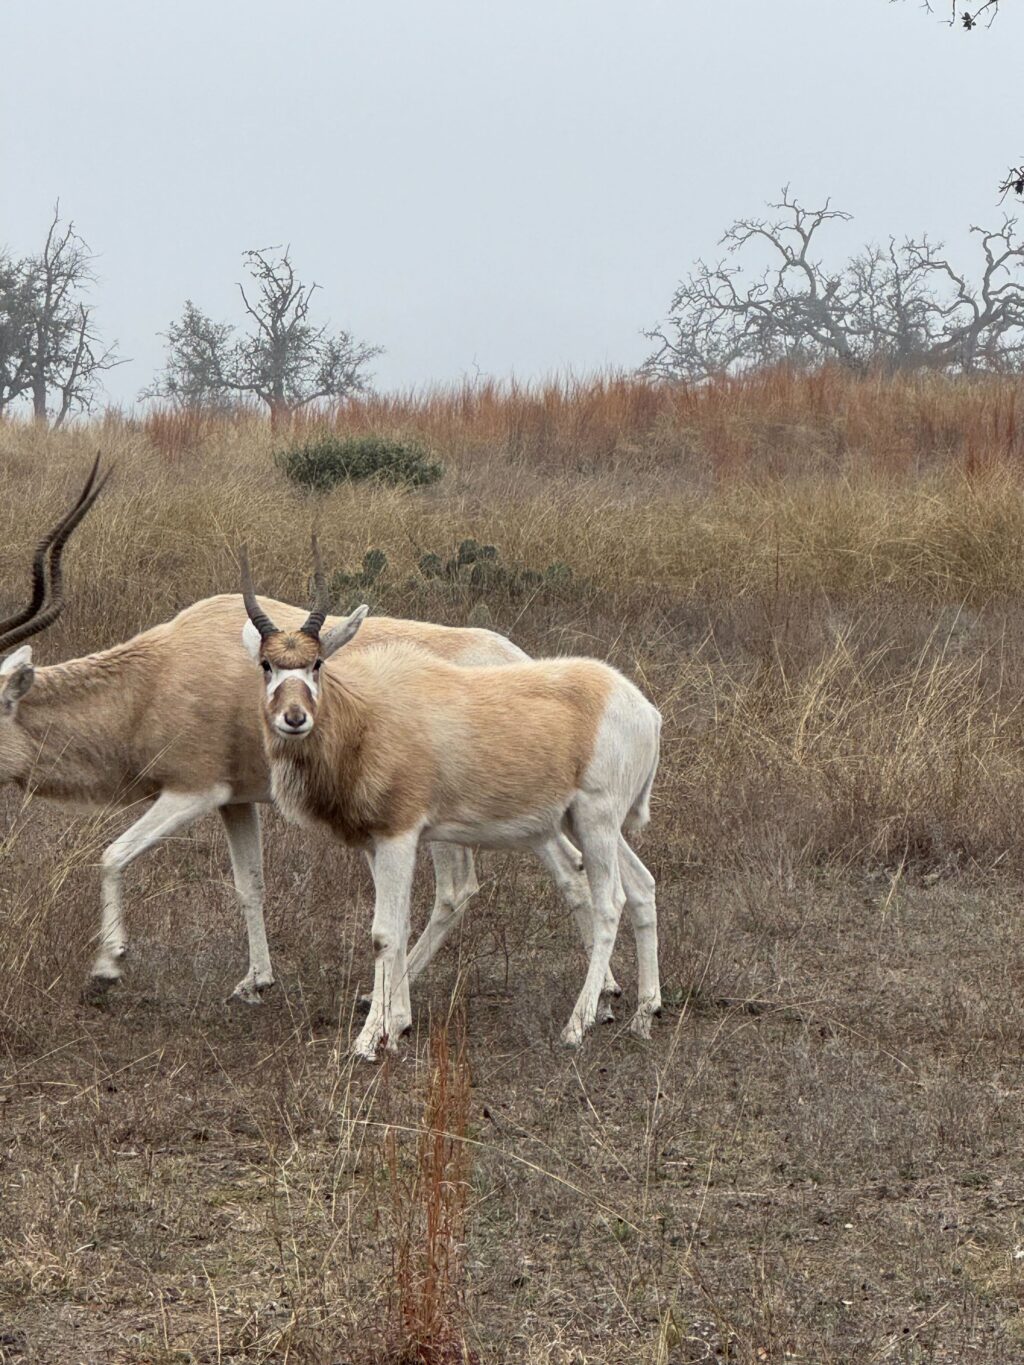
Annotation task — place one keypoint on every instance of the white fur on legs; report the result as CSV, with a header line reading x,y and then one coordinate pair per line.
x,y
597,826
638,885
394,862
562,861
170,813
242,827
455,884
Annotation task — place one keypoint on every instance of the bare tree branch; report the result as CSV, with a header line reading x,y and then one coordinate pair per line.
x,y
47,338
985,9
284,360
899,307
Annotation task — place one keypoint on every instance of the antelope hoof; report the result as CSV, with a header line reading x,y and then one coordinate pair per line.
x,y
573,1034
640,1024
249,992
368,1045
366,1050
611,986
604,1012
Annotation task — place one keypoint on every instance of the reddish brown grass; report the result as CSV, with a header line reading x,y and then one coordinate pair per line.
x,y
779,422
429,1210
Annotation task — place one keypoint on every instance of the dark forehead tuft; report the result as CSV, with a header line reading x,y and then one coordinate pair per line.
x,y
290,649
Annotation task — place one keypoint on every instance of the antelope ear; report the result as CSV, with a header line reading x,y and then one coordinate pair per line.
x,y
16,682
15,660
333,639
252,640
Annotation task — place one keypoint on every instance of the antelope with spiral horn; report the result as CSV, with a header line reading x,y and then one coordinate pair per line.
x,y
138,725
387,746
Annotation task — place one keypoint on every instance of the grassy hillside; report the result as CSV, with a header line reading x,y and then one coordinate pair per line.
x,y
817,1158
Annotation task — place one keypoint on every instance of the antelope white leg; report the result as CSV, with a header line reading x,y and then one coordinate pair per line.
x,y
638,885
562,860
242,827
169,813
598,832
455,884
394,862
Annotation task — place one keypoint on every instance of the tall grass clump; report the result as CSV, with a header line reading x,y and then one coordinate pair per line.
x,y
864,750
429,1206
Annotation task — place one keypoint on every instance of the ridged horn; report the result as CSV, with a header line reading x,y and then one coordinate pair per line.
x,y
313,623
257,616
34,617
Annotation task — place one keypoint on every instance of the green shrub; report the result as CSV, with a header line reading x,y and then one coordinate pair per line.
x,y
322,464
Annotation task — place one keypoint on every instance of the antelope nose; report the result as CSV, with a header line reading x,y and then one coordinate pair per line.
x,y
295,717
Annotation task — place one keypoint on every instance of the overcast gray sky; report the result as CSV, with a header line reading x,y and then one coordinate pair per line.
x,y
505,188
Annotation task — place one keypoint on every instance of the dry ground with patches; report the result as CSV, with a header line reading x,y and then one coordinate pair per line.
x,y
818,1158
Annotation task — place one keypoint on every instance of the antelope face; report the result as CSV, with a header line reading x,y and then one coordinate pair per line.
x,y
291,665
16,677
291,659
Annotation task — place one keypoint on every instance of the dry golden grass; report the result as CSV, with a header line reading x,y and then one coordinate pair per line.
x,y
818,1157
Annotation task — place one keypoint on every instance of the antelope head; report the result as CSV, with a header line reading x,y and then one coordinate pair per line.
x,y
45,604
291,659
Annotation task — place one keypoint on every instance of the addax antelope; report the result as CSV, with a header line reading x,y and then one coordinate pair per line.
x,y
140,726
386,746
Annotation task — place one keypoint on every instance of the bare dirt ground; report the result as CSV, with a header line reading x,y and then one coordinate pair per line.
x,y
817,1158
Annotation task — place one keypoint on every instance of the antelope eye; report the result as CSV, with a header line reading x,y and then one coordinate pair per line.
x,y
265,665
316,666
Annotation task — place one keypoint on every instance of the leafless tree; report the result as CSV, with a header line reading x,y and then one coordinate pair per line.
x,y
283,359
899,307
49,347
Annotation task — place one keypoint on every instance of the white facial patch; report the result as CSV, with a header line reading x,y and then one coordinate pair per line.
x,y
277,676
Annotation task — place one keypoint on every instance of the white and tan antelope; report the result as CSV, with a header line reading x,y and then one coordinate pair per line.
x,y
169,721
389,745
